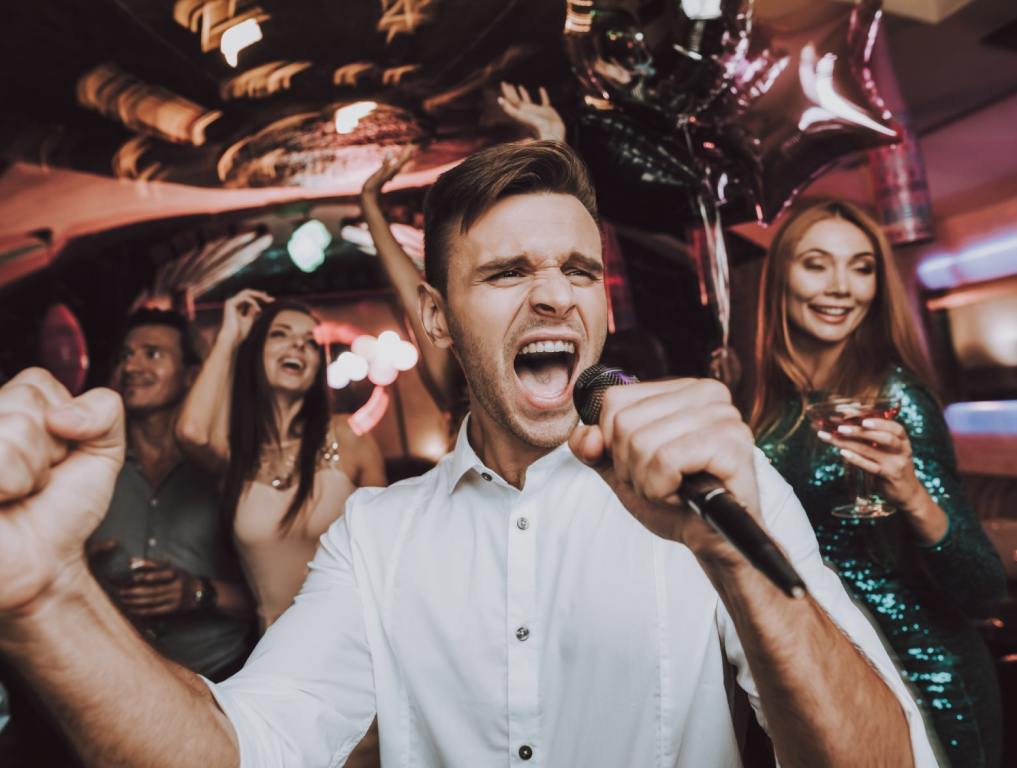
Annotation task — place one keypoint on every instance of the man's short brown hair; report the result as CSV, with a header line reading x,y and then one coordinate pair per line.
x,y
463,194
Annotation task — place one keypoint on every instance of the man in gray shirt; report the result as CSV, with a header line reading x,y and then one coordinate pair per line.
x,y
163,551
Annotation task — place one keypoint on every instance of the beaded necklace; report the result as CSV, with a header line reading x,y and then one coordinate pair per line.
x,y
281,472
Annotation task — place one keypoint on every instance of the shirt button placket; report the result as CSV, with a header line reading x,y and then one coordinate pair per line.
x,y
523,650
151,541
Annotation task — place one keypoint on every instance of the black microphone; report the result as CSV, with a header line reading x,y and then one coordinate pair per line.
x,y
703,492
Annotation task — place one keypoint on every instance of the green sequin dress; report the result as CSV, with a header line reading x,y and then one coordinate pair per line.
x,y
922,597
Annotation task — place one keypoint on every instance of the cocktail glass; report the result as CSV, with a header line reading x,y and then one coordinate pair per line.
x,y
826,416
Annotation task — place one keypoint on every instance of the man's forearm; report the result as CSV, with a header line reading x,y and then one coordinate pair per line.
x,y
118,700
823,701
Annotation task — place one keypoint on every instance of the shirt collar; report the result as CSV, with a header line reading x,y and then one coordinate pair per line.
x,y
464,459
131,460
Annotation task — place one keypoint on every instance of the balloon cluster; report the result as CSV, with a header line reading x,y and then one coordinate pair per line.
x,y
700,97
378,359
698,111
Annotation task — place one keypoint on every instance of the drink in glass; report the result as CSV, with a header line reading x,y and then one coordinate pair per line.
x,y
826,416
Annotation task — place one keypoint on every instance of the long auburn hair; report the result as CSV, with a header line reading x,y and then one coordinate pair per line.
x,y
885,337
252,419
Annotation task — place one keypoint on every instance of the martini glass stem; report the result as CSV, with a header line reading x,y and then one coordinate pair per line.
x,y
864,484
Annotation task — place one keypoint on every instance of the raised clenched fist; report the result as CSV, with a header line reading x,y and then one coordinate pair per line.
x,y
59,460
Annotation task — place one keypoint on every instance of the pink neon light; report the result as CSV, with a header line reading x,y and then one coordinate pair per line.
x,y
336,333
370,413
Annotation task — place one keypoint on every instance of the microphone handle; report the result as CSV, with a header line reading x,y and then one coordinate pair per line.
x,y
714,503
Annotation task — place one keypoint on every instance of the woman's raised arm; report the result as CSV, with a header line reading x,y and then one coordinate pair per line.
x,y
203,425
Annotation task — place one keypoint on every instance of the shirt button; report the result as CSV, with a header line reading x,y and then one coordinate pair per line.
x,y
522,523
152,542
522,633
526,752
153,502
486,476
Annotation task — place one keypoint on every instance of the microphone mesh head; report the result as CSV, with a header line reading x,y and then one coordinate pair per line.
x,y
588,394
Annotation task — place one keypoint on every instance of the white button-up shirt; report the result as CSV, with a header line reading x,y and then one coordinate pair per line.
x,y
491,626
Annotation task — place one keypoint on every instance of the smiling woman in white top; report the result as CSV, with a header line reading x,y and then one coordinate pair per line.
x,y
259,412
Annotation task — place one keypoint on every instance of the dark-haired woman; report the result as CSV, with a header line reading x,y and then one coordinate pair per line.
x,y
833,319
259,412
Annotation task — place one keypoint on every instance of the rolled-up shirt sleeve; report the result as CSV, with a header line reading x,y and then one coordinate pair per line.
x,y
306,695
788,524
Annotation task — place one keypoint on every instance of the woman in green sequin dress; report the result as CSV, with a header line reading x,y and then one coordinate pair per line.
x,y
833,319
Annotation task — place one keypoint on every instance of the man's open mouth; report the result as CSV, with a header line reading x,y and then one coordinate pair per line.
x,y
545,368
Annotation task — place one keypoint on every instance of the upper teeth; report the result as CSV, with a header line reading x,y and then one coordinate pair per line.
x,y
548,346
291,361
833,310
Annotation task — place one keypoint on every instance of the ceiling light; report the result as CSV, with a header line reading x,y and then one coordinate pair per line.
x,y
238,37
347,118
701,9
991,417
991,259
307,245
360,237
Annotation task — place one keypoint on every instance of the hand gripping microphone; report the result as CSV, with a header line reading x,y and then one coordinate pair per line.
x,y
703,492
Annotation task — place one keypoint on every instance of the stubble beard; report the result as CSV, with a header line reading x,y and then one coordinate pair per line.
x,y
139,410
494,399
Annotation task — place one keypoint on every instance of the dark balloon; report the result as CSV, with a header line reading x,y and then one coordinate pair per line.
x,y
719,120
755,110
802,100
643,178
661,58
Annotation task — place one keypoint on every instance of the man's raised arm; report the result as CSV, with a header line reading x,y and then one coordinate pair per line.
x,y
118,700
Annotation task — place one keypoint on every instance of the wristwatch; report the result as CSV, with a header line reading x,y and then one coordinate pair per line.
x,y
204,594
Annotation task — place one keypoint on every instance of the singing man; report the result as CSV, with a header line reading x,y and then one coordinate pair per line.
x,y
540,598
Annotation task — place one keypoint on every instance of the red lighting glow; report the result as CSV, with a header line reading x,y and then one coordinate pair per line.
x,y
367,418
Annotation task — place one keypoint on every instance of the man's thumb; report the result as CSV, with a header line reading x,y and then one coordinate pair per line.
x,y
587,443
94,419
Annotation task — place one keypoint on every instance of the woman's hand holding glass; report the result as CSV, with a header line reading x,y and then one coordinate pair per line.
x,y
881,448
